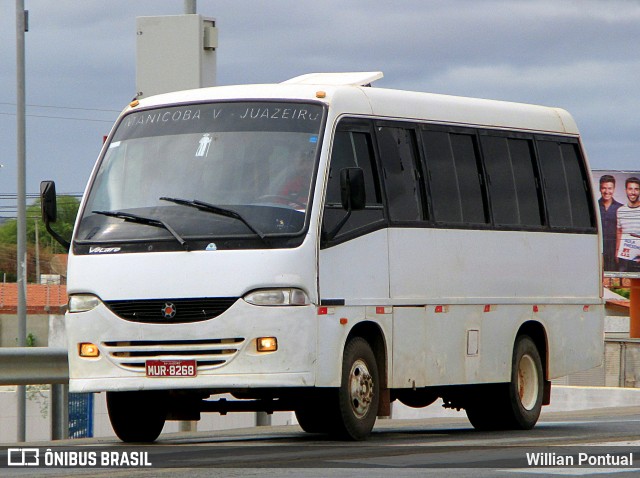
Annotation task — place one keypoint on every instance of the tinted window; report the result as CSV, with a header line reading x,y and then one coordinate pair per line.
x,y
511,181
352,149
443,182
565,186
454,177
401,173
577,185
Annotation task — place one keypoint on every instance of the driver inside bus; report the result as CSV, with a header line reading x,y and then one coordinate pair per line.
x,y
295,187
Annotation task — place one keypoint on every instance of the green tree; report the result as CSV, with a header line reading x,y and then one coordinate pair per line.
x,y
47,246
67,211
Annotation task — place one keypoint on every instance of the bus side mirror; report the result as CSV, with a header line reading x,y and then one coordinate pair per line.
x,y
49,209
352,189
48,204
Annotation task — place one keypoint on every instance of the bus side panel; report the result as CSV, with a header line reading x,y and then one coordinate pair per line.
x,y
576,338
334,331
452,344
467,344
411,348
479,287
475,266
356,270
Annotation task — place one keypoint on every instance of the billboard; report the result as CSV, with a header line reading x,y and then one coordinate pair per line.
x,y
618,195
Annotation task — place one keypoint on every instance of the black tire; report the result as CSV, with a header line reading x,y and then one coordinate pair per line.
x,y
316,412
137,417
486,409
359,392
526,389
515,405
313,420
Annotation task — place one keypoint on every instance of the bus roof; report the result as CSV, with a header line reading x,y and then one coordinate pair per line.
x,y
349,93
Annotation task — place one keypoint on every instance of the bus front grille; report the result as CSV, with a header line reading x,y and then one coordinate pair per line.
x,y
208,353
170,311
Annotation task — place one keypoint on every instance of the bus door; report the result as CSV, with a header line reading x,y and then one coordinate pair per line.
x,y
353,256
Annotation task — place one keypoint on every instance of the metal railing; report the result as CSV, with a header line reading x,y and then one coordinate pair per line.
x,y
40,365
622,362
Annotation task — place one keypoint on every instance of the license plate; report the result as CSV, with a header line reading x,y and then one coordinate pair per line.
x,y
171,368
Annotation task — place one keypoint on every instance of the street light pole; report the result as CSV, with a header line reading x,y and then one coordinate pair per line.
x,y
21,262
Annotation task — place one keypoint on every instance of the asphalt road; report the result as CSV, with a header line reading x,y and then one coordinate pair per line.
x,y
607,441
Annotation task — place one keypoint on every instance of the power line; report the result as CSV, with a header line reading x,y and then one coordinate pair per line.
x,y
64,107
37,195
62,118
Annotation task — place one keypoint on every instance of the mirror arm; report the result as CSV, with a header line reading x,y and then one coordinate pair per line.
x,y
64,243
330,235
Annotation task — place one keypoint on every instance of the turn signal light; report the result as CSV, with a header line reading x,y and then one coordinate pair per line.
x,y
88,350
267,344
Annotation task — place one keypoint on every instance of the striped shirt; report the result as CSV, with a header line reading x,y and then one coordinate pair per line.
x,y
629,223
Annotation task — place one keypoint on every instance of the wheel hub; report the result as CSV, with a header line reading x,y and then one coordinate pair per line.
x,y
360,388
527,382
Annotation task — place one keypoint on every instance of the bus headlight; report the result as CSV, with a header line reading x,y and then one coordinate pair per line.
x,y
289,296
83,302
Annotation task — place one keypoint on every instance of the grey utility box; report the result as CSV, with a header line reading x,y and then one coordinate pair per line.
x,y
175,53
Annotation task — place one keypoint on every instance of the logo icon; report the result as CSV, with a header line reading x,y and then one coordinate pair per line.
x,y
169,310
23,457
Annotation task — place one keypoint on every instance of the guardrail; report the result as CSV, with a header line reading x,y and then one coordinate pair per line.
x,y
33,365
622,362
41,365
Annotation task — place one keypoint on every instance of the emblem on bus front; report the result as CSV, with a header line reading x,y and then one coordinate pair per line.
x,y
169,310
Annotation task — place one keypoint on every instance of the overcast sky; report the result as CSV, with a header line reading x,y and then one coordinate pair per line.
x,y
581,55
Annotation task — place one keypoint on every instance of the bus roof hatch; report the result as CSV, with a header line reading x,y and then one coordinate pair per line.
x,y
361,78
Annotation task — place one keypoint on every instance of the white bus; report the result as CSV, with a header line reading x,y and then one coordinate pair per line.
x,y
328,247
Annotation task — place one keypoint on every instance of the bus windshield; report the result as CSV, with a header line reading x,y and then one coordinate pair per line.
x,y
205,171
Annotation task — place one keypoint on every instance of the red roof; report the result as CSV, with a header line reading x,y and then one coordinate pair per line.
x,y
41,298
623,305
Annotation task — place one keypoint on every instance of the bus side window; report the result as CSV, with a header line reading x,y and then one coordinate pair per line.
x,y
402,176
454,177
565,185
509,164
352,149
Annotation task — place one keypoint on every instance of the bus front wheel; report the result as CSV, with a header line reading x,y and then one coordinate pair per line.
x,y
137,417
515,405
315,413
359,392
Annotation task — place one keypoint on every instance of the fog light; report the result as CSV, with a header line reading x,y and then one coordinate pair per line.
x,y
267,344
89,350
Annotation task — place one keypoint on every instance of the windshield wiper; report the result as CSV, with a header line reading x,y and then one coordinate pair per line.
x,y
204,206
127,216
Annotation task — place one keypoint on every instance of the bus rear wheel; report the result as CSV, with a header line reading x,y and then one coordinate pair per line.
x,y
137,417
515,405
